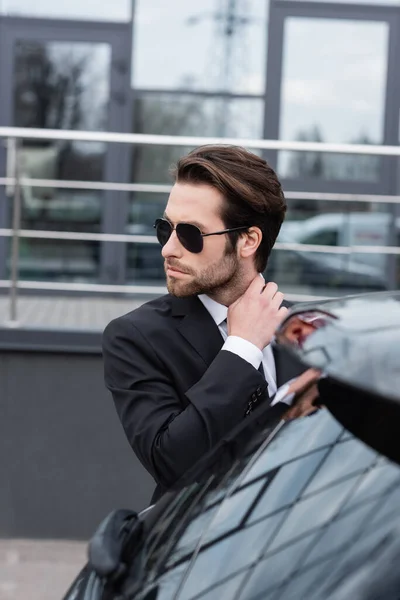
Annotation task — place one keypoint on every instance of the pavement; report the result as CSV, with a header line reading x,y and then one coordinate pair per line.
x,y
39,570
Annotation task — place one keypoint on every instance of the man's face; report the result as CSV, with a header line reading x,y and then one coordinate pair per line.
x,y
217,265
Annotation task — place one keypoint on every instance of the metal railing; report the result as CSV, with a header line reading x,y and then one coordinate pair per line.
x,y
15,181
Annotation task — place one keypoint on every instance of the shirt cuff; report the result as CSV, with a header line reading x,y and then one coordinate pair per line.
x,y
245,349
282,394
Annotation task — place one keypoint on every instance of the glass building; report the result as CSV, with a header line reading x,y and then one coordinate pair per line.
x,y
284,69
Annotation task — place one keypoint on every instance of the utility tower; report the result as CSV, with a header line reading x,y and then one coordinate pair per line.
x,y
228,53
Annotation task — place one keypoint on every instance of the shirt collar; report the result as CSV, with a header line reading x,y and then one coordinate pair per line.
x,y
218,312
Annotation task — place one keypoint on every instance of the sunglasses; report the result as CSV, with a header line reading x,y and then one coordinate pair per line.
x,y
189,235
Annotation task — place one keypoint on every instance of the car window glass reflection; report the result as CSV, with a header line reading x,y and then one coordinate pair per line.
x,y
340,533
210,521
371,567
301,584
343,459
346,435
387,510
167,530
333,576
276,569
188,541
287,484
232,511
313,512
225,590
166,586
378,481
215,496
323,527
222,559
296,439
349,533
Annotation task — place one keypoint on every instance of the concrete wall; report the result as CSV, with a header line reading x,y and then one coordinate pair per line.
x,y
64,459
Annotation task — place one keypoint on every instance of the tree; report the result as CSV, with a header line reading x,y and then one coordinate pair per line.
x,y
307,164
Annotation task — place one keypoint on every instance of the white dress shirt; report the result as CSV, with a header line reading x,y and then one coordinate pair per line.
x,y
247,350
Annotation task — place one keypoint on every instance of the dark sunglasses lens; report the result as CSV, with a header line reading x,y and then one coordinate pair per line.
x,y
163,231
190,237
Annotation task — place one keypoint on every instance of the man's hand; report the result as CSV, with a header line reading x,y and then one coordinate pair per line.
x,y
306,395
256,315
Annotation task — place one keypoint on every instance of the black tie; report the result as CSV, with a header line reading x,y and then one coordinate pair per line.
x,y
261,369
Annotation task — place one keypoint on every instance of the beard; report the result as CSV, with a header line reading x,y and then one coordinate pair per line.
x,y
213,279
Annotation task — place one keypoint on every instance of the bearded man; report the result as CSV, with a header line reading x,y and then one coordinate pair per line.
x,y
186,368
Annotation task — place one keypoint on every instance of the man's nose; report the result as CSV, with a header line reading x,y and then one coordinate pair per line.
x,y
173,248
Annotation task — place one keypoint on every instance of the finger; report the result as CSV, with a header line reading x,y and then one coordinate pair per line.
x,y
278,299
256,286
304,380
307,399
270,289
309,396
309,375
300,390
281,315
304,404
299,411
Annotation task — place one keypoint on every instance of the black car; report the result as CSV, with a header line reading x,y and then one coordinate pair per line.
x,y
305,508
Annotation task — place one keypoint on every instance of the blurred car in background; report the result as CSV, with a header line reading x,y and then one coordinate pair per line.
x,y
306,508
354,270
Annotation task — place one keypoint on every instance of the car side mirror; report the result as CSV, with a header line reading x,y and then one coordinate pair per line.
x,y
106,548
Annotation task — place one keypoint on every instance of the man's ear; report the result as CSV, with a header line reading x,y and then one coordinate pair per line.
x,y
249,242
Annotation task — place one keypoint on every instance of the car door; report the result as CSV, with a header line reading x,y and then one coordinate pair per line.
x,y
297,520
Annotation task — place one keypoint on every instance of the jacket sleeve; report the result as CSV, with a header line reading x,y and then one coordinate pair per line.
x,y
167,438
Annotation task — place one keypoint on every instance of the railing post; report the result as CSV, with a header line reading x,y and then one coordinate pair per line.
x,y
13,146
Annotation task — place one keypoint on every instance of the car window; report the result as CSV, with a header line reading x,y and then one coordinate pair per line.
x,y
287,484
224,590
308,513
343,459
205,513
225,559
228,518
174,537
296,440
314,505
164,588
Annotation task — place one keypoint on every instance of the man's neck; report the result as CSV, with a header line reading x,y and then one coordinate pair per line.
x,y
229,295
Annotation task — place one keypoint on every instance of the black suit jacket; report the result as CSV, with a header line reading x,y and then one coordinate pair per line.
x,y
175,393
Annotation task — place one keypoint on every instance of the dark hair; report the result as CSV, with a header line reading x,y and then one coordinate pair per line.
x,y
252,191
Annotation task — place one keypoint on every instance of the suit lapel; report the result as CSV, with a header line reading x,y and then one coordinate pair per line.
x,y
196,325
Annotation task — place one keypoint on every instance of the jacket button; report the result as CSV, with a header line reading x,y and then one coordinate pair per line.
x,y
249,409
